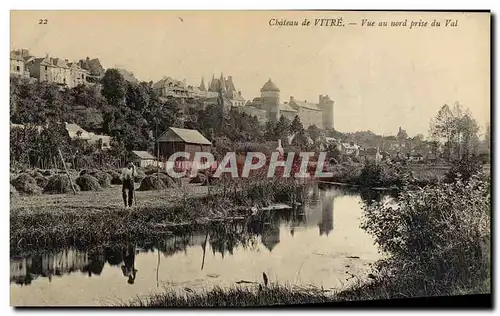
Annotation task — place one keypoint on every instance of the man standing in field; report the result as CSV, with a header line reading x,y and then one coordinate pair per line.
x,y
127,177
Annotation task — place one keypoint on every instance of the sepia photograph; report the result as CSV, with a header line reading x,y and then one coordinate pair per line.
x,y
250,158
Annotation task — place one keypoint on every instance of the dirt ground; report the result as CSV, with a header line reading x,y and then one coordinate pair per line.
x,y
108,197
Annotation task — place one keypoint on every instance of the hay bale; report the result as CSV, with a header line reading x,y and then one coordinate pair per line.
x,y
47,173
13,191
115,177
87,182
151,182
140,176
104,179
199,178
26,184
169,181
41,181
90,171
59,184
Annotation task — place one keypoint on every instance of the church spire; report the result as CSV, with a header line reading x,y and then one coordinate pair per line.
x,y
202,84
222,83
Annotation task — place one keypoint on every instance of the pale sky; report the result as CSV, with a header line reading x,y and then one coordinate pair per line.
x,y
379,77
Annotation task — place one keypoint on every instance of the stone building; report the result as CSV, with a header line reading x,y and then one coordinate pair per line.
x,y
320,114
18,63
57,70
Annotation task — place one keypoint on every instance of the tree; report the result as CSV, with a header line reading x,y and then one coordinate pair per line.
x,y
314,132
296,126
282,128
458,129
114,87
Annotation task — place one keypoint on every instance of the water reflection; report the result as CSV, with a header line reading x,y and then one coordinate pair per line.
x,y
221,240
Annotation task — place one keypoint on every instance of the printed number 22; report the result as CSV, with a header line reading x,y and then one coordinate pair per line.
x,y
42,21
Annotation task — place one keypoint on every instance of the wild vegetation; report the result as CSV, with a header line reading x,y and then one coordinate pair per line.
x,y
437,239
39,225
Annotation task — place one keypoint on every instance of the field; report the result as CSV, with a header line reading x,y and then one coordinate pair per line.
x,y
107,198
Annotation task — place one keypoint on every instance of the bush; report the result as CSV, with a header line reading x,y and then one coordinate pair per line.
x,y
437,237
25,184
463,169
104,179
59,184
88,183
371,175
151,182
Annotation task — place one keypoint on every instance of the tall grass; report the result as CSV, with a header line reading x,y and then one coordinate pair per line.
x,y
235,297
56,226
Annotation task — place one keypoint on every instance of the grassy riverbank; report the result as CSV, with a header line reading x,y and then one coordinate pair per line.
x,y
438,240
96,218
276,294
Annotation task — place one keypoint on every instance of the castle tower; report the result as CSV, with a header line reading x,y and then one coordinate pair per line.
x,y
326,105
270,95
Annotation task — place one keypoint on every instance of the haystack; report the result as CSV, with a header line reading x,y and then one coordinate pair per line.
x,y
59,184
46,173
87,182
26,184
104,179
115,177
199,178
91,172
13,191
41,181
140,176
151,182
169,181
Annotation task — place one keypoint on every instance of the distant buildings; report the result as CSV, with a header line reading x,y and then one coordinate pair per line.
x,y
18,63
168,87
268,107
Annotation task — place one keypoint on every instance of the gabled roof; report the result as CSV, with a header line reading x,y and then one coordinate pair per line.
x,y
143,154
286,108
43,61
58,62
186,135
307,105
73,130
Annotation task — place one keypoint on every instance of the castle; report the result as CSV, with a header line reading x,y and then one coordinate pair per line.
x,y
268,107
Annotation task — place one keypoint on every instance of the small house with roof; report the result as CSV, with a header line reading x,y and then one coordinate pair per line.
x,y
143,159
182,140
76,132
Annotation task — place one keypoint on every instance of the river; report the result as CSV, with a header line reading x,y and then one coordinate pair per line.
x,y
320,245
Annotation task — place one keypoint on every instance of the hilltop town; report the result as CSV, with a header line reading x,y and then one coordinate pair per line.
x,y
156,106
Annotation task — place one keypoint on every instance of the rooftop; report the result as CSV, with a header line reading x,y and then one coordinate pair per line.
x,y
187,135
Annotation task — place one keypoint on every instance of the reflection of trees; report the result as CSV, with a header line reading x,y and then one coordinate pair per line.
x,y
220,237
326,224
225,237
370,196
96,263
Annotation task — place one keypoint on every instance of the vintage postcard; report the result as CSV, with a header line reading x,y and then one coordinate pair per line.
x,y
249,158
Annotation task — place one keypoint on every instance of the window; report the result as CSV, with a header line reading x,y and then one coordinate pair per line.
x,y
18,68
45,68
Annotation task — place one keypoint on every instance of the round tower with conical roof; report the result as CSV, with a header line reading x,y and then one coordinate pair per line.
x,y
270,98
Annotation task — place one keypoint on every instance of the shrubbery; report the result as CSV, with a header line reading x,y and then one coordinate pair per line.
x,y
437,238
